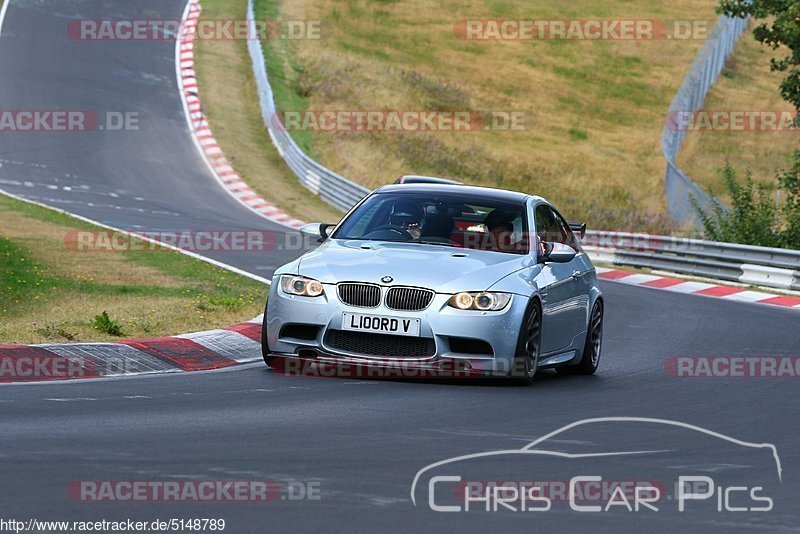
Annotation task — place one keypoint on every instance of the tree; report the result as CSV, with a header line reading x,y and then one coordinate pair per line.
x,y
753,218
784,30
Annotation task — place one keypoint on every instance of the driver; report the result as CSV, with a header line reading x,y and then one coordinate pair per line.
x,y
500,227
407,214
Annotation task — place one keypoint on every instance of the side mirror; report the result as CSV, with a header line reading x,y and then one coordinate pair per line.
x,y
318,231
557,253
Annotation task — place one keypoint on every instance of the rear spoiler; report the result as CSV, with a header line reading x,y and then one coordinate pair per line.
x,y
580,228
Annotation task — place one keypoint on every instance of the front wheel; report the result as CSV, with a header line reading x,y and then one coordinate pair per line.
x,y
526,359
593,345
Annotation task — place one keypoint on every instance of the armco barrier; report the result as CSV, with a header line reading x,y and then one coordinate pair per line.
x,y
710,61
762,266
329,186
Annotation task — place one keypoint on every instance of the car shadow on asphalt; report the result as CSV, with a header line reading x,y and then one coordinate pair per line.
x,y
544,379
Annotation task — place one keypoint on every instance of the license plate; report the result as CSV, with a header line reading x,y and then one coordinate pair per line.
x,y
380,325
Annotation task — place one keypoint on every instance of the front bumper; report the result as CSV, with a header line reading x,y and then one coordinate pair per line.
x,y
445,326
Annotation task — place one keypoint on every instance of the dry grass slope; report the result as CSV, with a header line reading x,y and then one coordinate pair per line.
x,y
746,84
230,100
596,108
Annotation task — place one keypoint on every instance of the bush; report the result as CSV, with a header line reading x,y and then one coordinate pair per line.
x,y
754,218
790,183
107,325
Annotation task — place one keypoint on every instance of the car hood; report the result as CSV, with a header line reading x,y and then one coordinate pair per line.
x,y
443,269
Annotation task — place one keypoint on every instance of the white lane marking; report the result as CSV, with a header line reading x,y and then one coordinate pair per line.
x,y
136,397
748,296
173,374
689,287
3,11
638,279
51,200
74,399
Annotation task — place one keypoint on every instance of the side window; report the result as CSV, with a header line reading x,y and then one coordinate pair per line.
x,y
548,228
569,236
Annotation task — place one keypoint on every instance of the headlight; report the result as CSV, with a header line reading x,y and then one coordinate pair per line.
x,y
484,301
300,285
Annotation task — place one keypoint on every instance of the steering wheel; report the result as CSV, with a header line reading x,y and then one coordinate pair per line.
x,y
402,232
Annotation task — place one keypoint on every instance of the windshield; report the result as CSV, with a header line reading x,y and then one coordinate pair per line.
x,y
455,220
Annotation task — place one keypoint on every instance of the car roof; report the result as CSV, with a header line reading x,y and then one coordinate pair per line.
x,y
486,192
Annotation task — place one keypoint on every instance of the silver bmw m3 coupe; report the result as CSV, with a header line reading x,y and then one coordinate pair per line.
x,y
432,277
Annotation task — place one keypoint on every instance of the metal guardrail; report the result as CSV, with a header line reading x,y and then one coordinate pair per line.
x,y
705,70
329,186
763,266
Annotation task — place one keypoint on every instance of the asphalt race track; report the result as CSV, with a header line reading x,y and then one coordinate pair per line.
x,y
151,179
363,441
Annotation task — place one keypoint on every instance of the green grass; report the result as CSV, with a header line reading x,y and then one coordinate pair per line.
x,y
578,135
287,77
52,293
20,278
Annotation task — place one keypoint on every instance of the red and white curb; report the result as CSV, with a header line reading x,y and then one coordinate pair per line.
x,y
199,351
198,124
696,288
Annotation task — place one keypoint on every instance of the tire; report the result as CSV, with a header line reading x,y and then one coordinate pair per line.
x,y
526,359
593,346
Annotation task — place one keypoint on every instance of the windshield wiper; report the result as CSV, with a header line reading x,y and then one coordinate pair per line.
x,y
424,242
